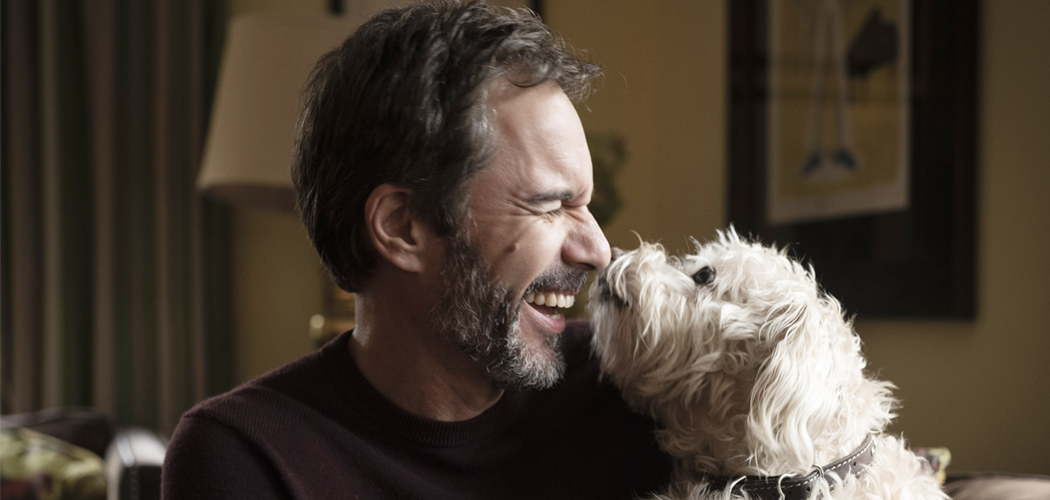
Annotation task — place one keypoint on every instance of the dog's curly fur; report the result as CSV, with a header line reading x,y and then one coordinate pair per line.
x,y
756,372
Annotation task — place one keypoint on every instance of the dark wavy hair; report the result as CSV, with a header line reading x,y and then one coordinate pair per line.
x,y
403,101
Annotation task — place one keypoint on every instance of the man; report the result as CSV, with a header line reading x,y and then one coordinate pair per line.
x,y
443,175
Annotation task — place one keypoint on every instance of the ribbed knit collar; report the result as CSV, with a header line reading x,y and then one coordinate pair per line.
x,y
370,404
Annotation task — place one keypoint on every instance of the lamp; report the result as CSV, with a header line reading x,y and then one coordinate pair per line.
x,y
267,59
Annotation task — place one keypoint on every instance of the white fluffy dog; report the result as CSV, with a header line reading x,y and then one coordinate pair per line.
x,y
753,374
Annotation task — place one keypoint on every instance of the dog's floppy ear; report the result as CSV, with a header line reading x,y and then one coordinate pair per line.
x,y
812,385
791,400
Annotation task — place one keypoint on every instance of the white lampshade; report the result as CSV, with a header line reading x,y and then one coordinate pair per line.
x,y
267,59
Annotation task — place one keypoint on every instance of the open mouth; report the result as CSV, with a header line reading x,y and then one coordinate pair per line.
x,y
550,302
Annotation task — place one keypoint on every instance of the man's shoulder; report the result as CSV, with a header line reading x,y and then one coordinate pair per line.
x,y
281,395
274,435
220,447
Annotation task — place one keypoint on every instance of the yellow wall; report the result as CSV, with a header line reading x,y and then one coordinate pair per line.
x,y
278,282
981,388
240,7
278,285
277,278
664,92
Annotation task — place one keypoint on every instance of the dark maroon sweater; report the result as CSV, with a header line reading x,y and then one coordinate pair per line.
x,y
317,429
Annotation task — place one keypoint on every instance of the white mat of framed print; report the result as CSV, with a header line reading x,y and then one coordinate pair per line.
x,y
838,109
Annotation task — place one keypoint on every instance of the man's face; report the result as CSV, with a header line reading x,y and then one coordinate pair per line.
x,y
527,234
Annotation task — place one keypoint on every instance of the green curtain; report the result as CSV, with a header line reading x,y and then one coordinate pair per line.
x,y
115,270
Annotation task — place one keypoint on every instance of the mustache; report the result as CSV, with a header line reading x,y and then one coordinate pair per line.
x,y
562,278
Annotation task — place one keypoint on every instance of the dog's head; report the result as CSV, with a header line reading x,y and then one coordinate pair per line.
x,y
735,350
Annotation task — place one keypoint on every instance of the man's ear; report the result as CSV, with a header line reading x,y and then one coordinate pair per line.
x,y
397,234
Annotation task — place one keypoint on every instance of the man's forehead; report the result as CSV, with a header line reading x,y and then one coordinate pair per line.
x,y
540,145
504,96
522,116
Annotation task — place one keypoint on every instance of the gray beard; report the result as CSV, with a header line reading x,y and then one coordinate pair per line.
x,y
478,314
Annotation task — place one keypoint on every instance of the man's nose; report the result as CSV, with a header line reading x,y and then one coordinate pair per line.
x,y
588,249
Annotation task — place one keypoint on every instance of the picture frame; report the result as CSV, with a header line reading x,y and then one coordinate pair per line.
x,y
914,257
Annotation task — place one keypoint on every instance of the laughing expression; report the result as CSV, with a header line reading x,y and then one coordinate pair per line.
x,y
527,216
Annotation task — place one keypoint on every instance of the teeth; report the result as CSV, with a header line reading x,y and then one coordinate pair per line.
x,y
551,299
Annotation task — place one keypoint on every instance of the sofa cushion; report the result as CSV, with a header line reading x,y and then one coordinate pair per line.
x,y
997,486
35,465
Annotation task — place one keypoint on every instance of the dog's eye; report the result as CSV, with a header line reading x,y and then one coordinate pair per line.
x,y
704,276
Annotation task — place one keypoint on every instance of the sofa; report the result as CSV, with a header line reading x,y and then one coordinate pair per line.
x,y
77,453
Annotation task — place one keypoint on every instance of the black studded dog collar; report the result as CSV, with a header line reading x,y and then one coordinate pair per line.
x,y
797,487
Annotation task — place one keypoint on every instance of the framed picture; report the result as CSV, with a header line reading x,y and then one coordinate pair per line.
x,y
853,127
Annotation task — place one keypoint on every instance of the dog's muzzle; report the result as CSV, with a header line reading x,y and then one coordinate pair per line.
x,y
605,292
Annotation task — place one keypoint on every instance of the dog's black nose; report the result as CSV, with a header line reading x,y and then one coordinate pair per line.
x,y
616,254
